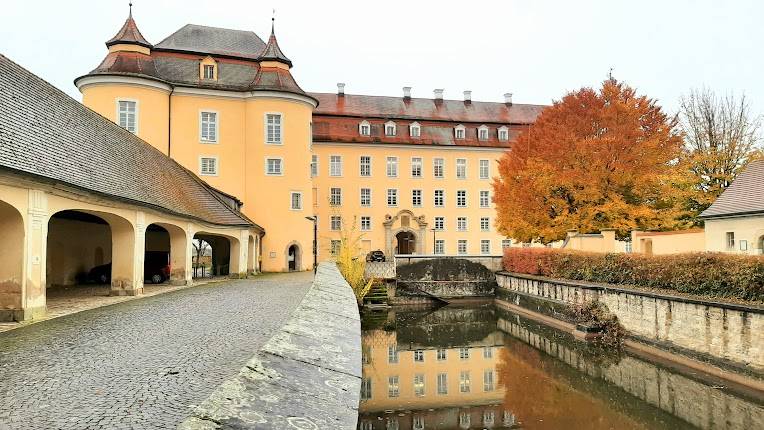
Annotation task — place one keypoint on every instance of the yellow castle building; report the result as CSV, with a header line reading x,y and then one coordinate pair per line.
x,y
412,174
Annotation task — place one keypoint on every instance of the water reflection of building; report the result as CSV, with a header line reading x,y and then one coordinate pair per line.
x,y
436,370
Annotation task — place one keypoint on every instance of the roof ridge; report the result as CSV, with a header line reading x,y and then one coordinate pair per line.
x,y
424,98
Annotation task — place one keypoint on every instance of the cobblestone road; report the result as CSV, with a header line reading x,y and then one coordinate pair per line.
x,y
141,364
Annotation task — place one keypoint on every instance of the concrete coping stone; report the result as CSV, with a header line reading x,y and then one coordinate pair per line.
x,y
752,308
307,376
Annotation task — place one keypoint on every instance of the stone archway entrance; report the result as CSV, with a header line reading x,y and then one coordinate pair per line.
x,y
294,257
405,242
410,227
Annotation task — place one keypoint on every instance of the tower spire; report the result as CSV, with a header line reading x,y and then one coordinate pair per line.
x,y
129,33
272,52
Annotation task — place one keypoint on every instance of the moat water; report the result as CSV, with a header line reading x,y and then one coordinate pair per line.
x,y
483,367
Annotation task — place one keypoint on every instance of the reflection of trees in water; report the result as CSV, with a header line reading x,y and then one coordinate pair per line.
x,y
542,402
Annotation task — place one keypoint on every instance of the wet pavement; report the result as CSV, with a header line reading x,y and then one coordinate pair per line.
x,y
142,364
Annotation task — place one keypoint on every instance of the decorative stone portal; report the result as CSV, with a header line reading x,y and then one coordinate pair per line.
x,y
405,233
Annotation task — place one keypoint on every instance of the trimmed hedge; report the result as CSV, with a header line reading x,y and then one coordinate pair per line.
x,y
709,274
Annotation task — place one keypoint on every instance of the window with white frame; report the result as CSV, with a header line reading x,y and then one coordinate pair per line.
x,y
415,130
296,200
335,196
392,386
485,166
461,246
273,128
313,166
208,127
365,165
209,71
208,166
461,168
442,383
484,224
274,166
390,128
365,197
416,198
487,352
440,246
334,247
503,133
441,354
465,420
365,382
335,222
437,167
392,354
419,385
461,198
464,353
419,356
335,165
459,131
730,240
439,199
485,246
364,128
440,223
417,423
365,223
416,167
461,223
483,132
489,418
127,115
464,381
392,167
485,199
506,243
392,197
488,384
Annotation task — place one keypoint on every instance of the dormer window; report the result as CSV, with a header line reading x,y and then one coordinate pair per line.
x,y
415,130
459,131
364,129
503,133
209,71
390,128
483,132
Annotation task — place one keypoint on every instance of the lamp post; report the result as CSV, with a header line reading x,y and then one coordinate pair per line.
x,y
433,241
315,241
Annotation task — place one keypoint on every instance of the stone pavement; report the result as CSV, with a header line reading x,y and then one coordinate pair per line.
x,y
307,376
141,364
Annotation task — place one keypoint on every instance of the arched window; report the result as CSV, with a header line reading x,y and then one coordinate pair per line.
x,y
415,130
459,131
390,129
364,128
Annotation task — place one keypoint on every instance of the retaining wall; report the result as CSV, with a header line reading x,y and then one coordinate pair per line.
x,y
307,376
724,333
444,277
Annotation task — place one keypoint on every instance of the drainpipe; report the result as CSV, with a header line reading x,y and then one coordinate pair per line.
x,y
169,121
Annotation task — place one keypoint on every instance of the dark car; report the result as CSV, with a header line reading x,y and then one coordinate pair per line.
x,y
375,256
156,268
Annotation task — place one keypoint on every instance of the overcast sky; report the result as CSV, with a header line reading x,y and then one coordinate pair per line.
x,y
537,50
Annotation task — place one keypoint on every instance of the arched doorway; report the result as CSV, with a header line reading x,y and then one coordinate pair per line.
x,y
11,261
406,242
294,257
156,260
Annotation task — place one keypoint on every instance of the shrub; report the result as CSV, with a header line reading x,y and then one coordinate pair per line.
x,y
715,275
596,314
352,264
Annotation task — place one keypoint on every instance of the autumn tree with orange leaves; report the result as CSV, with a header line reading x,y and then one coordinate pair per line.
x,y
594,160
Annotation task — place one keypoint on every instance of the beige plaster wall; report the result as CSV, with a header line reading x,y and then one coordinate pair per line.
x,y
749,229
662,243
74,247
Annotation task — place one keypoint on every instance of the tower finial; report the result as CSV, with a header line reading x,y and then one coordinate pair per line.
x,y
130,4
273,21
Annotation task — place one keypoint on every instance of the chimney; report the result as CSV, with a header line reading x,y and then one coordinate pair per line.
x,y
508,99
438,94
468,96
406,92
340,88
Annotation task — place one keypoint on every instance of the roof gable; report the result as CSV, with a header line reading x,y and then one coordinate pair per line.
x,y
744,196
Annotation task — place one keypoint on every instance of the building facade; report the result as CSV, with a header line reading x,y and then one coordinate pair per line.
x,y
413,175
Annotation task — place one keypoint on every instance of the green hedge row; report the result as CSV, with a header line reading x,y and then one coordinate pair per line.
x,y
709,274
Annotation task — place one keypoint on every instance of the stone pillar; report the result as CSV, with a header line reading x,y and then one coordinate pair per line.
x,y
35,255
128,247
422,242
